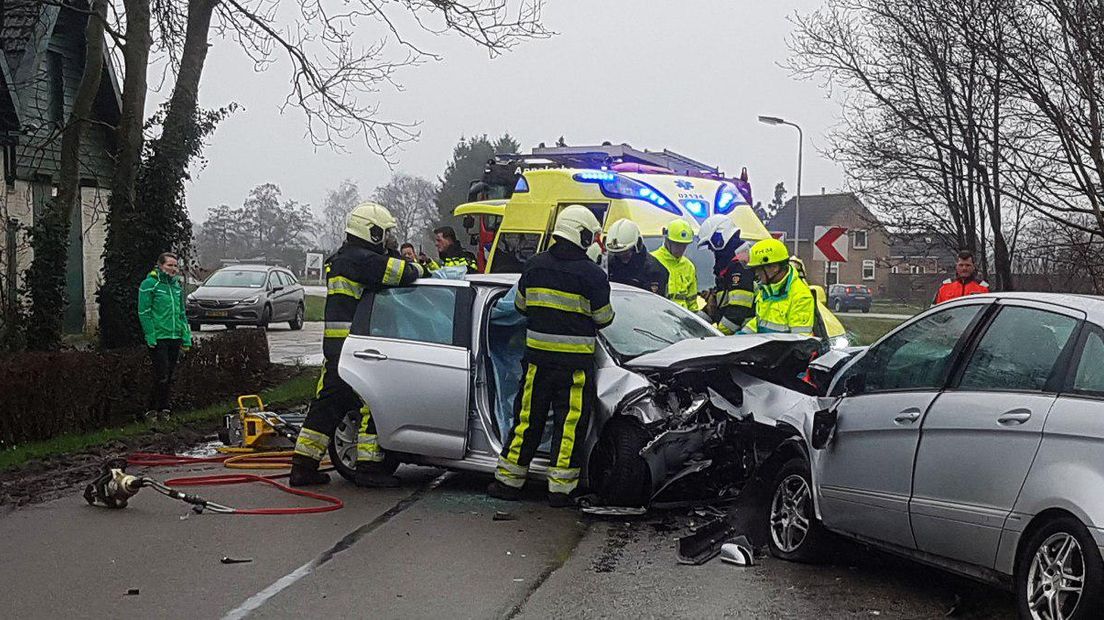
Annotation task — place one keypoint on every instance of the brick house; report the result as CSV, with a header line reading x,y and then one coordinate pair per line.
x,y
41,64
868,243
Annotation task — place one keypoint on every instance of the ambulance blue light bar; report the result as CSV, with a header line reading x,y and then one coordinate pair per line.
x,y
615,185
726,199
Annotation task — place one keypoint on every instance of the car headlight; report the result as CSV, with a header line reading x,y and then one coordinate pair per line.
x,y
250,300
841,342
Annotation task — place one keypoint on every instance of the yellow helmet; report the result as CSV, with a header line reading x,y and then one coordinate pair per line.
x,y
679,231
370,221
768,252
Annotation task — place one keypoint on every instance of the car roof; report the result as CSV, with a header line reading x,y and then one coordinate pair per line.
x,y
249,267
1091,305
510,279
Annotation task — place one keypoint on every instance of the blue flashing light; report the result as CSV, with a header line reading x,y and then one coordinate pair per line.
x,y
596,176
522,185
726,199
697,208
614,185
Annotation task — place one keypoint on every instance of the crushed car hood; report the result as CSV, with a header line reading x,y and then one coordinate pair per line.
x,y
763,350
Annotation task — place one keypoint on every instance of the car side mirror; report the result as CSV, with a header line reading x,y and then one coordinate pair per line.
x,y
824,423
469,222
277,288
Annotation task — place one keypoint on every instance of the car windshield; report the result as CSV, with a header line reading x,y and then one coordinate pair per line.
x,y
645,323
237,278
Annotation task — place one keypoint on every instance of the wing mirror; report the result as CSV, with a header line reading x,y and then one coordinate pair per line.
x,y
277,288
824,423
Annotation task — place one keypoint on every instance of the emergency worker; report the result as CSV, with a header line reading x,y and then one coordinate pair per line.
x,y
734,289
966,280
630,263
682,282
360,266
783,301
407,252
566,298
450,251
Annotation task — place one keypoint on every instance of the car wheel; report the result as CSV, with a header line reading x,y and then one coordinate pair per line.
x,y
343,448
1059,573
865,309
266,317
231,326
618,474
297,322
795,534
195,326
838,307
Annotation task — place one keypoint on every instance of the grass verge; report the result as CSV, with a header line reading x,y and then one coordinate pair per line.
x,y
866,331
314,308
296,390
890,307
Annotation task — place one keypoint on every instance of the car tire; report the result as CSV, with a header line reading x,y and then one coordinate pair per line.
x,y
1034,574
791,504
343,448
838,306
195,326
865,309
296,323
617,472
266,317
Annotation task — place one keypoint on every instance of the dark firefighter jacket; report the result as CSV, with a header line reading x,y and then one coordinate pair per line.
x,y
643,271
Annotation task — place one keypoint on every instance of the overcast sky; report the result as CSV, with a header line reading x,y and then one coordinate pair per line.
x,y
691,76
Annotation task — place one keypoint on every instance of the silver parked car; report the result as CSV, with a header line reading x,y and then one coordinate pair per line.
x,y
439,363
970,438
247,295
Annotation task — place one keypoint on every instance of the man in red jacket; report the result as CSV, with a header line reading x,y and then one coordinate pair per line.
x,y
965,282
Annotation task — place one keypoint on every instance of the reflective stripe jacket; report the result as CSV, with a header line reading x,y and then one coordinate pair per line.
x,y
955,288
161,309
455,256
350,273
786,307
735,289
682,284
643,271
566,298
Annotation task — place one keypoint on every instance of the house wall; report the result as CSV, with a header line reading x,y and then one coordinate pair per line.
x,y
851,272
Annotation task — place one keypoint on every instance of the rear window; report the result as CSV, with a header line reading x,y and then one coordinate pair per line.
x,y
513,250
1089,379
418,313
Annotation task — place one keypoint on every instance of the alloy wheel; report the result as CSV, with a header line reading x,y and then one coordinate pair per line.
x,y
1056,578
791,513
345,439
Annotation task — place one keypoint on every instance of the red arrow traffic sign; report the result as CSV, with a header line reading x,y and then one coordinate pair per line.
x,y
830,244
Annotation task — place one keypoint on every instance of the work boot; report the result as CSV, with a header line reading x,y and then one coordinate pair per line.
x,y
304,472
501,491
373,475
561,500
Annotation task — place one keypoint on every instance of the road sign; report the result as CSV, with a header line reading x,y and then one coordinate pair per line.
x,y
830,244
781,236
314,261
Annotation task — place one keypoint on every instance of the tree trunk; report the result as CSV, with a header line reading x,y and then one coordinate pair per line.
x,y
122,270
47,277
185,97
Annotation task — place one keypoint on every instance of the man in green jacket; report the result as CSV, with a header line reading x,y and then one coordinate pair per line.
x,y
161,312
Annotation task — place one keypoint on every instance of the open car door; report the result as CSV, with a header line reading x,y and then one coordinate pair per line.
x,y
408,357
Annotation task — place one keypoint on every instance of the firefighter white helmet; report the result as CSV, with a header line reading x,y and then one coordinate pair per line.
x,y
623,236
578,225
716,231
370,221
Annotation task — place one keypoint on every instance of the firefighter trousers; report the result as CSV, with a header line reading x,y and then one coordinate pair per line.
x,y
333,400
570,394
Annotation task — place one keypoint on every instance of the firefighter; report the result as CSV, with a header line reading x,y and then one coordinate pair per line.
x,y
450,251
783,301
682,282
735,282
360,266
566,298
966,281
630,263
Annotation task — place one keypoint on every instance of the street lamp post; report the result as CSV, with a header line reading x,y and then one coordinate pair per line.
x,y
774,120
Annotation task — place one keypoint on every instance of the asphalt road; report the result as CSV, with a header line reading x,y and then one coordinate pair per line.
x,y
432,548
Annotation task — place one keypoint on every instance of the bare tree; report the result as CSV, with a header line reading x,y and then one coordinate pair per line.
x,y
411,200
336,207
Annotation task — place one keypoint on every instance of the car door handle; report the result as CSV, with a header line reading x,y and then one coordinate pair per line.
x,y
369,354
908,416
1016,416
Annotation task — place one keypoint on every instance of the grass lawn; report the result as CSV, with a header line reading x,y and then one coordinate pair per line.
x,y
294,391
865,331
315,308
894,307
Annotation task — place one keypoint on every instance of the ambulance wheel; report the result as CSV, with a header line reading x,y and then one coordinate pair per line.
x,y
343,448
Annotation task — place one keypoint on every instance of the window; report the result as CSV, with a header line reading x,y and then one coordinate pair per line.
x,y
917,357
894,269
868,270
289,279
1018,351
860,240
237,278
645,323
420,313
1090,369
513,250
914,269
56,78
831,273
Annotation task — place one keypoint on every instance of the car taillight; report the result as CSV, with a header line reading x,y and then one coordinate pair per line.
x,y
850,290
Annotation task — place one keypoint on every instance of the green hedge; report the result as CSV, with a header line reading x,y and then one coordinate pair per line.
x,y
43,395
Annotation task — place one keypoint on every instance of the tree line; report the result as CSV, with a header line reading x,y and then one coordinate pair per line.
x,y
977,122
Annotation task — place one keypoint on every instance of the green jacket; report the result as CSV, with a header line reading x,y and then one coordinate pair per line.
x,y
161,309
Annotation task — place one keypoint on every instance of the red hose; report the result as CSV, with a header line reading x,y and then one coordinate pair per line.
x,y
148,459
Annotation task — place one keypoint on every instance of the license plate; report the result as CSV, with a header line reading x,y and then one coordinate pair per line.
x,y
218,313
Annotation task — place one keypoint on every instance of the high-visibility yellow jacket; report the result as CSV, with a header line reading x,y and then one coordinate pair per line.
x,y
786,307
683,282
